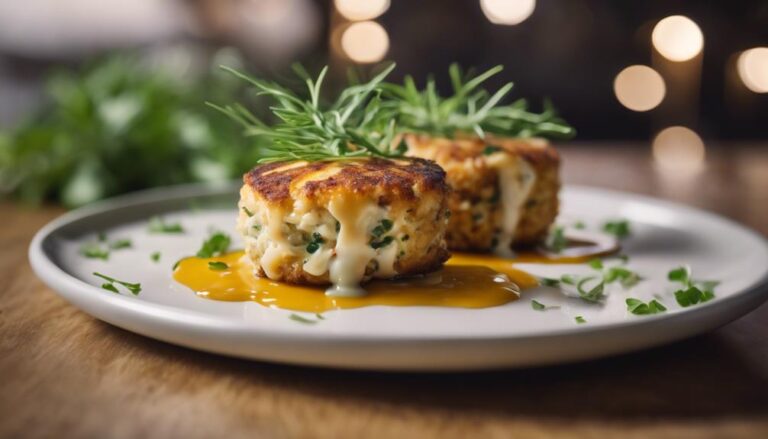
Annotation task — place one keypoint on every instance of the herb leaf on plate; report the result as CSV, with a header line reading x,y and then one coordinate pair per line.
x,y
216,245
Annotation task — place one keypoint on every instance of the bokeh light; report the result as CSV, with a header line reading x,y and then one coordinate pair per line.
x,y
365,42
752,66
677,38
357,10
679,149
639,88
507,12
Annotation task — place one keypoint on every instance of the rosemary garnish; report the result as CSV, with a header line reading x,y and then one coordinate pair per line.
x,y
356,124
470,109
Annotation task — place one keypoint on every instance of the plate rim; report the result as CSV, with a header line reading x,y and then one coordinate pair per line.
x,y
52,274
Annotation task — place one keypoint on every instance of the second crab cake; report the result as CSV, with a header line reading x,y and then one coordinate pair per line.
x,y
344,222
504,190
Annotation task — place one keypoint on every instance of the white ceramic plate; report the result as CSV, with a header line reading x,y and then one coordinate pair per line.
x,y
664,236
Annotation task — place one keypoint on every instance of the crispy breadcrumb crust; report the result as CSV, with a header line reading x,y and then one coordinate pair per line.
x,y
474,183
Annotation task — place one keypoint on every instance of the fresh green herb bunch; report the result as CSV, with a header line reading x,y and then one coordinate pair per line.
x,y
470,108
356,124
116,126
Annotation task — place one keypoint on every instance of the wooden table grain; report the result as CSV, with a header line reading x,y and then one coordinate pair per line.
x,y
65,374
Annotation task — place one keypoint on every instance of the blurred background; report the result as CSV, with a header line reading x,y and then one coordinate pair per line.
x,y
100,97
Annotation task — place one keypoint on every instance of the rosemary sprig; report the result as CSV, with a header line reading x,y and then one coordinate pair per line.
x,y
356,124
470,109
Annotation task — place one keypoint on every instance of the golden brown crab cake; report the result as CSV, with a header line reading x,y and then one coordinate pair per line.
x,y
504,190
344,222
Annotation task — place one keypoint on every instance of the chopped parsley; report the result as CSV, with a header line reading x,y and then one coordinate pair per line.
x,y
579,225
592,295
158,225
580,319
383,227
638,307
176,264
556,240
216,245
538,306
376,244
217,265
378,240
617,228
549,282
102,248
247,212
109,285
304,320
693,292
120,244
315,243
490,149
94,251
155,256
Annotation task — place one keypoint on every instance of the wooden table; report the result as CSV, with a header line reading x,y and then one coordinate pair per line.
x,y
64,374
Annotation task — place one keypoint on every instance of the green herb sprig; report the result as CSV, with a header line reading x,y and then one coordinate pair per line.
x,y
216,245
470,109
638,307
693,292
109,285
102,248
356,124
591,288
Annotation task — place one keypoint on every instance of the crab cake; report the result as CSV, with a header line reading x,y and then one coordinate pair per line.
x,y
344,222
504,190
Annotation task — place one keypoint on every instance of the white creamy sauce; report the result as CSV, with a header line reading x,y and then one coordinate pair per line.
x,y
353,251
516,179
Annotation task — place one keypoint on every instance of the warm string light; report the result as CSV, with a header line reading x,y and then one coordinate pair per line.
x,y
752,66
360,10
679,149
639,88
365,42
508,12
677,38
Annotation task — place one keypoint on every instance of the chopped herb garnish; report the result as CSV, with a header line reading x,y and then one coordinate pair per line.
x,y
134,288
247,212
617,228
155,256
470,109
405,238
357,124
376,244
693,292
597,264
315,243
490,149
120,244
102,248
580,319
549,282
594,294
692,296
94,251
319,316
638,307
383,227
302,319
176,264
158,225
538,306
556,241
217,265
338,226
216,245
579,225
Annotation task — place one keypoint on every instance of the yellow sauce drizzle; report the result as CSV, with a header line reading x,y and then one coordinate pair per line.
x,y
467,281
465,286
